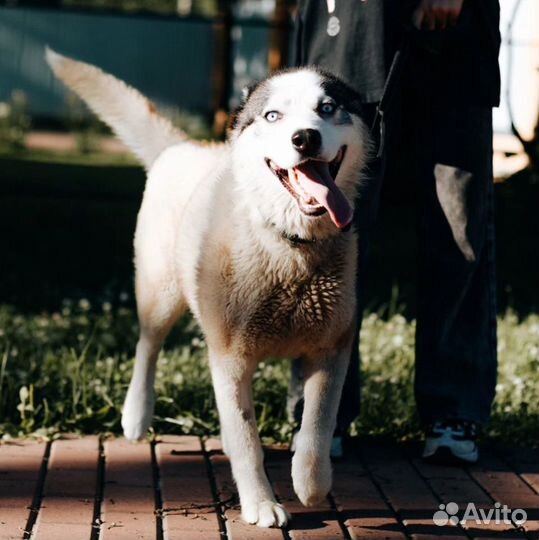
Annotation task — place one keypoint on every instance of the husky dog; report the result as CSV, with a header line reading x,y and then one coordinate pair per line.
x,y
253,236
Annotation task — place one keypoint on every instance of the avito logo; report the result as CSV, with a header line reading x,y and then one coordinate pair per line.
x,y
448,514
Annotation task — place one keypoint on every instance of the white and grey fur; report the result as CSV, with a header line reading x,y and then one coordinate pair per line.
x,y
214,235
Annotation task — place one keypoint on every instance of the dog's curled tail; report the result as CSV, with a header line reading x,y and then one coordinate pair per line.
x,y
132,116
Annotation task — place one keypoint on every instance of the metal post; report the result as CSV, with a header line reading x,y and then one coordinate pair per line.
x,y
222,68
278,48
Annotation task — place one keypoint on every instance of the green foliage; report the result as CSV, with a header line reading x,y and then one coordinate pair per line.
x,y
195,125
86,127
88,130
68,371
14,121
387,353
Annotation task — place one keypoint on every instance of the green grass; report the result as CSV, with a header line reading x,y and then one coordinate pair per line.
x,y
68,371
94,159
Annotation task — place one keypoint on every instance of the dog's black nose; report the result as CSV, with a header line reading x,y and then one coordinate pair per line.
x,y
307,141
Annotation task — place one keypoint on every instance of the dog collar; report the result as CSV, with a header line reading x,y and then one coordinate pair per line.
x,y
296,241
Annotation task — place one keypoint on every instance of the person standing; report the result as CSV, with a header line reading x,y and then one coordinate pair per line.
x,y
436,139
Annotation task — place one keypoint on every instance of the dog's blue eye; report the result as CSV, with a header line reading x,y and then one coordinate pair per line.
x,y
327,108
272,116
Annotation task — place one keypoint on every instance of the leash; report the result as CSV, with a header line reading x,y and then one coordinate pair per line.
x,y
393,78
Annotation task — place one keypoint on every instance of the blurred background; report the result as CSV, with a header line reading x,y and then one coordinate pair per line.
x,y
69,196
69,192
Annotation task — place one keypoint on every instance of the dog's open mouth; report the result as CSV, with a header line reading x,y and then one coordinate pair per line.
x,y
312,184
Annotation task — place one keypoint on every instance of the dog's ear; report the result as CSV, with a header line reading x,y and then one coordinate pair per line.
x,y
247,91
232,120
248,109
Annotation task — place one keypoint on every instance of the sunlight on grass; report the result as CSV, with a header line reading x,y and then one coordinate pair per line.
x,y
68,371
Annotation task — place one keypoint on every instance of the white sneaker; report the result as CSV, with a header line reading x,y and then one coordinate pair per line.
x,y
451,442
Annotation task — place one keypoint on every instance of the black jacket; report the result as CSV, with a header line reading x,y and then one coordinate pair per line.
x,y
358,39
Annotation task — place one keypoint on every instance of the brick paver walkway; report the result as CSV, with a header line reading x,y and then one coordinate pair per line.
x,y
180,488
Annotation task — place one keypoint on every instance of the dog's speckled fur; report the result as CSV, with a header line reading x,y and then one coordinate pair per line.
x,y
213,236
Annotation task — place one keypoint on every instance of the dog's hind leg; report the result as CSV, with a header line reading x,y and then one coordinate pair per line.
x,y
158,311
311,464
232,384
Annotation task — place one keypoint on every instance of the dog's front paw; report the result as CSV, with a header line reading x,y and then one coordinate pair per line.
x,y
137,416
265,514
311,478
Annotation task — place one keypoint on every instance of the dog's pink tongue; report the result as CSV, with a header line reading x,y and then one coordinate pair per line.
x,y
316,180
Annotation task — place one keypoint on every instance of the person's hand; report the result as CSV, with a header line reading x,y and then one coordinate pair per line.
x,y
436,14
